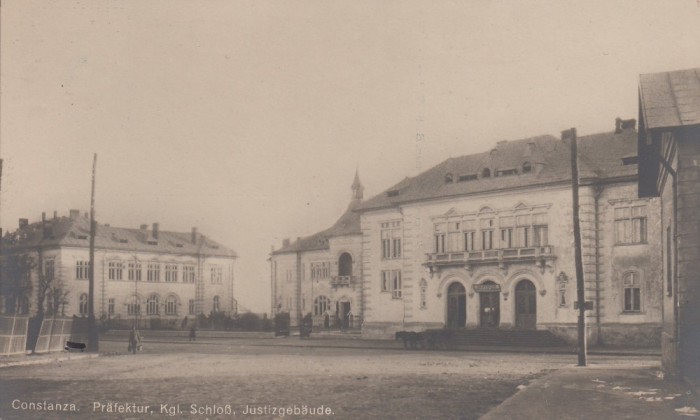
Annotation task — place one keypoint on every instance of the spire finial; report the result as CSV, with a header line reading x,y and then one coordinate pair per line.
x,y
357,188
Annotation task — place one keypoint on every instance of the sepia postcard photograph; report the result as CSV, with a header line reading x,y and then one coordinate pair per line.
x,y
308,209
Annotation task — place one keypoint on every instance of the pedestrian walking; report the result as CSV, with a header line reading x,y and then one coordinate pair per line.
x,y
193,333
134,341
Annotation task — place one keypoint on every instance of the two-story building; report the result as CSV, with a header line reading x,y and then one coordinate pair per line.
x,y
321,274
143,274
486,241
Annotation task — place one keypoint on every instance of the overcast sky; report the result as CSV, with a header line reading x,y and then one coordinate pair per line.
x,y
247,119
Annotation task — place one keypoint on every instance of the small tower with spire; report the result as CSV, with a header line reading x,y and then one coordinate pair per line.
x,y
357,188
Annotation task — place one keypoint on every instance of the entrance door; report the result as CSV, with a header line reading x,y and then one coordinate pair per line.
x,y
490,309
456,306
344,311
525,305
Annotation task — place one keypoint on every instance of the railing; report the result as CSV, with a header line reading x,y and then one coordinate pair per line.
x,y
491,255
342,281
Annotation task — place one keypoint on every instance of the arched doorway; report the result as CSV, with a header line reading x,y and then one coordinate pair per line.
x,y
489,304
342,312
456,306
525,305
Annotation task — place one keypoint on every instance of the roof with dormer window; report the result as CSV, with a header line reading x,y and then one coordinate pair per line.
x,y
600,158
75,232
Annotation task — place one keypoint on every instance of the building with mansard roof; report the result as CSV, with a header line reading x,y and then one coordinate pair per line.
x,y
320,274
485,241
146,273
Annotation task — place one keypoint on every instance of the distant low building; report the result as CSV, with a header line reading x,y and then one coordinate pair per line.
x,y
146,274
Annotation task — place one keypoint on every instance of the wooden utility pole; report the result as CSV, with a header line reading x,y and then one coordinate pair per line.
x,y
93,340
580,288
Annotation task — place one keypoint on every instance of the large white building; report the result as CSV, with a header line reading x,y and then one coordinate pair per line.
x,y
156,276
486,241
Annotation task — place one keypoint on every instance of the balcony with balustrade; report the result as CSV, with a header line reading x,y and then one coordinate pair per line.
x,y
344,281
541,256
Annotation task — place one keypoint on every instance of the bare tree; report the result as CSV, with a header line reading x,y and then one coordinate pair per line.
x,y
16,284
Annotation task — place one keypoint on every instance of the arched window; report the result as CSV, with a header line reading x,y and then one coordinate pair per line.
x,y
527,167
83,304
486,173
216,304
633,292
152,304
133,306
345,264
321,304
171,305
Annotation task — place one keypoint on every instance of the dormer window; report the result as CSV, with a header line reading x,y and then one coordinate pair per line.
x,y
463,178
392,193
486,173
506,172
449,178
527,167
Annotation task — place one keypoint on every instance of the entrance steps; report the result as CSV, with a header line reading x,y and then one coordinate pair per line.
x,y
506,338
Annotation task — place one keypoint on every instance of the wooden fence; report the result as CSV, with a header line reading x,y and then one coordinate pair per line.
x,y
13,334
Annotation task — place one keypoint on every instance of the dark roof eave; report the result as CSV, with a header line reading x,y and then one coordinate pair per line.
x,y
448,196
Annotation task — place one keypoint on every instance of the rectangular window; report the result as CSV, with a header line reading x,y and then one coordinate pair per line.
x,y
171,273
153,272
188,275
391,240
114,271
469,240
440,243
507,238
630,225
134,271
540,235
391,283
191,307
386,281
216,275
49,269
632,293
396,284
486,239
110,307
81,270
320,270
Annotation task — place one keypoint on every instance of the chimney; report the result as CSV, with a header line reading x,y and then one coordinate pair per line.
x,y
285,242
44,233
143,227
629,124
530,148
618,125
87,215
194,235
55,215
155,230
23,223
74,214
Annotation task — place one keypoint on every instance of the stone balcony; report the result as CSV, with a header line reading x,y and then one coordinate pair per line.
x,y
343,281
541,256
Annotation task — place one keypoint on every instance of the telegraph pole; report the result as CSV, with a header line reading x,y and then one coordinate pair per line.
x,y
580,289
93,340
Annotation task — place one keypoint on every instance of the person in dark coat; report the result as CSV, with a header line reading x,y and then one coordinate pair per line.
x,y
134,340
193,333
